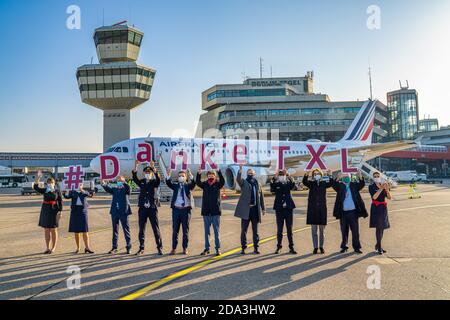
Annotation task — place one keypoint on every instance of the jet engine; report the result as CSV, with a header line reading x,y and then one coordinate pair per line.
x,y
232,171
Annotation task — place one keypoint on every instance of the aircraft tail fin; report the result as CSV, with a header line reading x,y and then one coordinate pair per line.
x,y
361,129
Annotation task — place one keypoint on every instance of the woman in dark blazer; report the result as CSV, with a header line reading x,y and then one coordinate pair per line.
x,y
78,223
379,220
50,211
282,185
317,207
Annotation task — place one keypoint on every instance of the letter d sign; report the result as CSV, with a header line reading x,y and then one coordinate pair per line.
x,y
109,167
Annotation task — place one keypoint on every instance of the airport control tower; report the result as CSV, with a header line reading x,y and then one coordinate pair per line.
x,y
118,84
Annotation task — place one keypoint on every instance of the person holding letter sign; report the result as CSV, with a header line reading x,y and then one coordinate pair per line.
x,y
284,206
78,223
120,210
182,203
349,207
316,215
379,191
249,207
148,209
50,211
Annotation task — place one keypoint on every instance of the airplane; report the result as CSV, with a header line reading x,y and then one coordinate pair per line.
x,y
264,156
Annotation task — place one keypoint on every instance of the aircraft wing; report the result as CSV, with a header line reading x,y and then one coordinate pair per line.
x,y
369,152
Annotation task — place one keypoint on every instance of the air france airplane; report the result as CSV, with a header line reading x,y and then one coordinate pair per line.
x,y
264,156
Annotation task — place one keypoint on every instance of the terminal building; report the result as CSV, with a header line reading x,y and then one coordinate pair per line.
x,y
117,84
288,105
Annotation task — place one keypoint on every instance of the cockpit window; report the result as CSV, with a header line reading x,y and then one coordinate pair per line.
x,y
110,149
125,149
118,149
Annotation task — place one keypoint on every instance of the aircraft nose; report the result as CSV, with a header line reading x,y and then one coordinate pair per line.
x,y
95,164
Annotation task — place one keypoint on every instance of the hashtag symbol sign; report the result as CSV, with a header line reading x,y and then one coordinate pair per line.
x,y
74,177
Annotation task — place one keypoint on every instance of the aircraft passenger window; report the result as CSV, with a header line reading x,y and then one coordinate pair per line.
x,y
125,149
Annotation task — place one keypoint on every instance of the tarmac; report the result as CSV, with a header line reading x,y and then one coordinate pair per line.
x,y
416,265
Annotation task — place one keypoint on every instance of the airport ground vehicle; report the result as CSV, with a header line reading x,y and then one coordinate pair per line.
x,y
12,181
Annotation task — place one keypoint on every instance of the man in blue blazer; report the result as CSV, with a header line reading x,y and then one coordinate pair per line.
x,y
182,204
120,210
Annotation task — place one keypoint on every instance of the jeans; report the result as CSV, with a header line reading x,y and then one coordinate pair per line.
x,y
126,230
318,240
215,222
180,217
284,216
253,219
152,215
349,221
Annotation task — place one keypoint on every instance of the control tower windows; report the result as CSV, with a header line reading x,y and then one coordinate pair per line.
x,y
118,36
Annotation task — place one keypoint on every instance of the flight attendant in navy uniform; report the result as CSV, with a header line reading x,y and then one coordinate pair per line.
x,y
379,220
148,209
50,212
78,222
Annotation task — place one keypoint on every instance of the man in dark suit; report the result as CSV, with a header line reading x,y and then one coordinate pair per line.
x,y
211,206
284,205
349,207
181,204
148,209
120,210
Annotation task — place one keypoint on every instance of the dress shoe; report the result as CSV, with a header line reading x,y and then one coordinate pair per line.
x,y
315,251
322,250
173,252
358,251
113,251
256,251
185,252
205,252
140,252
278,251
218,253
88,251
160,252
344,250
292,251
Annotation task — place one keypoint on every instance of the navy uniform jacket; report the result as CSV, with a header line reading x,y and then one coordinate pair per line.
x,y
74,195
282,194
121,199
147,188
175,186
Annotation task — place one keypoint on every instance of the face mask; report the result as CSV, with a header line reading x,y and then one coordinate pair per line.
x,y
317,177
377,180
282,179
50,188
181,179
120,184
148,176
346,179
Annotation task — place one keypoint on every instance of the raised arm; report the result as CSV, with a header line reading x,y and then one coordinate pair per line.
x,y
239,177
136,179
107,188
198,179
221,179
305,181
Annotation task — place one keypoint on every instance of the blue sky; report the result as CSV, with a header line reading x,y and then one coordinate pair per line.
x,y
196,44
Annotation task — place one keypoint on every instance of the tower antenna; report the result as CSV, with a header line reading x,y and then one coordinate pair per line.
x,y
370,82
261,67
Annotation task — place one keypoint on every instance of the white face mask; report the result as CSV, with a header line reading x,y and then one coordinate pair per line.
x,y
50,188
181,179
149,176
377,180
282,178
317,177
